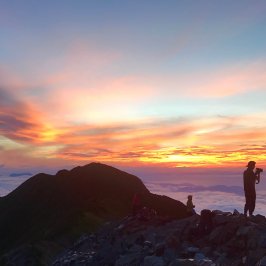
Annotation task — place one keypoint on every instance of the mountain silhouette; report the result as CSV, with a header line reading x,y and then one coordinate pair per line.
x,y
58,208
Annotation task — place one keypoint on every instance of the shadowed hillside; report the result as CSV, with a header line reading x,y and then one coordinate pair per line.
x,y
58,208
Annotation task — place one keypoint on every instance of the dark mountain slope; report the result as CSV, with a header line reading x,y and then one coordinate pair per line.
x,y
59,207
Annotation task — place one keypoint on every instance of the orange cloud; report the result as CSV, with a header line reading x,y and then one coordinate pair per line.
x,y
22,122
175,143
195,141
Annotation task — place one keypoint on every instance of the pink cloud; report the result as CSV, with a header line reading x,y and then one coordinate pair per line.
x,y
199,141
11,80
109,99
226,81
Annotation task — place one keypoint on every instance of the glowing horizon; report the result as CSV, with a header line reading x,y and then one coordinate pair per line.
x,y
169,84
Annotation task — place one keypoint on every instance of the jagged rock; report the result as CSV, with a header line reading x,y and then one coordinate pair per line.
x,y
218,212
236,212
258,219
236,242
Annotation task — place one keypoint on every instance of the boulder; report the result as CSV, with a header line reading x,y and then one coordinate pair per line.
x,y
221,219
153,261
258,219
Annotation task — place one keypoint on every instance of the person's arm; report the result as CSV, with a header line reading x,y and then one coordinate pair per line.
x,y
257,174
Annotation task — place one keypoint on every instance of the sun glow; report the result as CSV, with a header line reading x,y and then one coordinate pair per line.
x,y
200,156
49,134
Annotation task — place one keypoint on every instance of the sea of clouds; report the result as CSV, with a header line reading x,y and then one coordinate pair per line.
x,y
9,183
215,197
213,189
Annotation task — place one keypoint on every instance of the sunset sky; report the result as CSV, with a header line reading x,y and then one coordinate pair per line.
x,y
132,83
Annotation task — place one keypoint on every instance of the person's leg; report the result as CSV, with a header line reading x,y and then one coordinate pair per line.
x,y
246,208
250,204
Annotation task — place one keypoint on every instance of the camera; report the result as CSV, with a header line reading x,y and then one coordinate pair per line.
x,y
257,173
259,170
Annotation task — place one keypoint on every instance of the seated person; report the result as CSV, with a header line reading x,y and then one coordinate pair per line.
x,y
190,205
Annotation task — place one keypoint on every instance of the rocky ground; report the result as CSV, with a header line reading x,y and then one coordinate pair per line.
x,y
147,239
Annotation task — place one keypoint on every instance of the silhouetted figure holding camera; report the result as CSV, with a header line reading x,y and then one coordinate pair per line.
x,y
251,178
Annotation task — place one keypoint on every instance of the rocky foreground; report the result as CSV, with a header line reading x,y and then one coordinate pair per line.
x,y
147,239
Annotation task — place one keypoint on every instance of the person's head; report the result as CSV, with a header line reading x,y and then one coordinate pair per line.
x,y
189,197
251,165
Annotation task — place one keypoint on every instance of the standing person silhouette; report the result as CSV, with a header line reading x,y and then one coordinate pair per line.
x,y
250,178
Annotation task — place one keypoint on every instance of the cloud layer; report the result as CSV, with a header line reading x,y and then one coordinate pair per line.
x,y
191,141
216,197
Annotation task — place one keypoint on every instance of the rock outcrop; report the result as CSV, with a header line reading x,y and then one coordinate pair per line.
x,y
152,240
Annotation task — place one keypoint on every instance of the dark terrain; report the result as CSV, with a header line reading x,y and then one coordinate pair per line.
x,y
84,217
153,240
48,212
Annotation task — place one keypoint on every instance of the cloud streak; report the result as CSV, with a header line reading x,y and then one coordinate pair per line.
x,y
190,142
21,121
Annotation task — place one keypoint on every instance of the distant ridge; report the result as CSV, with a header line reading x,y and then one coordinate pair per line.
x,y
58,208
